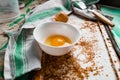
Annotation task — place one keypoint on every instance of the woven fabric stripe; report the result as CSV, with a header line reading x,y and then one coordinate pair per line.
x,y
18,57
44,14
4,46
68,4
25,61
15,22
1,64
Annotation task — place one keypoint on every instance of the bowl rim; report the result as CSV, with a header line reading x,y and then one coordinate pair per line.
x,y
73,43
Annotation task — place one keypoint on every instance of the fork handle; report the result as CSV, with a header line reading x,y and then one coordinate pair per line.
x,y
103,18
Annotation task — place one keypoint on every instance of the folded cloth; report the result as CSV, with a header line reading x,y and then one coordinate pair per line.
x,y
23,53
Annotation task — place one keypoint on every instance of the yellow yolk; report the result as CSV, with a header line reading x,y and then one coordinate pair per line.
x,y
57,40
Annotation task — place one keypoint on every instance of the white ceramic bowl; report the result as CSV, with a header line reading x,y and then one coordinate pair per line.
x,y
42,32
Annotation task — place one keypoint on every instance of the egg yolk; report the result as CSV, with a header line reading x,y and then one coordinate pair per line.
x,y
57,40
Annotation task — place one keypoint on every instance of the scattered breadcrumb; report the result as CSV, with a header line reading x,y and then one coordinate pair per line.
x,y
72,66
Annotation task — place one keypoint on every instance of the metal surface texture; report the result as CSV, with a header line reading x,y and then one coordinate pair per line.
x,y
90,59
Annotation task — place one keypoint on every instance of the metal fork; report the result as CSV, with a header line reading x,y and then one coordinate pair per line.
x,y
98,15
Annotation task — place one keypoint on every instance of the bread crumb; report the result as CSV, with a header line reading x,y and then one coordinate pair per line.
x,y
61,17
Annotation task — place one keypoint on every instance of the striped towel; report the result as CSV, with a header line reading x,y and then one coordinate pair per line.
x,y
23,53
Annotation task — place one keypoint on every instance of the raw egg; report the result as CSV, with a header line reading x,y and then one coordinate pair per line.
x,y
57,40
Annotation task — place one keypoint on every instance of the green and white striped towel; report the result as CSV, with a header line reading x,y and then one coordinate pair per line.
x,y
23,53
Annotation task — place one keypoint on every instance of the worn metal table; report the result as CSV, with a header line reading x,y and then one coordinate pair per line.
x,y
92,58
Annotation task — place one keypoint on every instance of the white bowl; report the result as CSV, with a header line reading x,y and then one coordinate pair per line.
x,y
45,30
